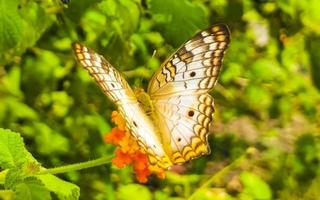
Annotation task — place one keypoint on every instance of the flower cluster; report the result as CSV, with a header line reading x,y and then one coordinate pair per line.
x,y
128,151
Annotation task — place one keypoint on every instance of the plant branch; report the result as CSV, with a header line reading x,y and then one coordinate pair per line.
x,y
77,166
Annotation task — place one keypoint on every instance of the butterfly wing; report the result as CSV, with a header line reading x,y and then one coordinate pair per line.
x,y
179,92
117,89
186,122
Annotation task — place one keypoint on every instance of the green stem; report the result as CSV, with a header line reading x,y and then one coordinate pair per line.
x,y
66,168
77,166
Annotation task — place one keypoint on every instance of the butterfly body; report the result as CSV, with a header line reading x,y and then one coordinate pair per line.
x,y
145,101
171,120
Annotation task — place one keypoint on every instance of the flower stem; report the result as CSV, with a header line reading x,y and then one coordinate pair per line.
x,y
77,166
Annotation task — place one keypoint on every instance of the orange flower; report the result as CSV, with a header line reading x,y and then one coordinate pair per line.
x,y
118,120
122,159
127,144
115,137
128,151
140,161
142,175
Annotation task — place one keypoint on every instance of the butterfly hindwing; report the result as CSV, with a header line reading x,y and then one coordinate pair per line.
x,y
117,89
141,128
180,88
186,120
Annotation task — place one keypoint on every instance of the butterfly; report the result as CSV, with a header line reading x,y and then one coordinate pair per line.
x,y
171,120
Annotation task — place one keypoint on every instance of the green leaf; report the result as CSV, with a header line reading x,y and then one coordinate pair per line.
x,y
97,121
10,25
11,82
311,16
77,8
122,21
25,112
12,177
160,195
126,13
13,155
24,25
31,189
36,17
258,98
178,20
6,194
313,190
254,187
134,191
12,150
266,70
61,103
233,71
33,68
49,141
62,189
213,193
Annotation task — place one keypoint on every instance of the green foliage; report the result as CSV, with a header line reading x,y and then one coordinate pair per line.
x,y
16,19
31,189
254,187
134,191
267,100
169,15
12,151
10,19
21,169
63,189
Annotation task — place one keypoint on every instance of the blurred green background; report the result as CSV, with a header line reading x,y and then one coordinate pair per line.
x,y
267,100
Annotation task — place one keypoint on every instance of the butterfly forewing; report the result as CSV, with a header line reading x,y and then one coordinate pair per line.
x,y
179,91
107,77
194,67
118,90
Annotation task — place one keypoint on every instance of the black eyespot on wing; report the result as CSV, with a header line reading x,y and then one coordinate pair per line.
x,y
190,113
135,124
192,74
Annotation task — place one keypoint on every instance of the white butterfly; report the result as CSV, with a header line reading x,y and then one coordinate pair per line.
x,y
171,121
